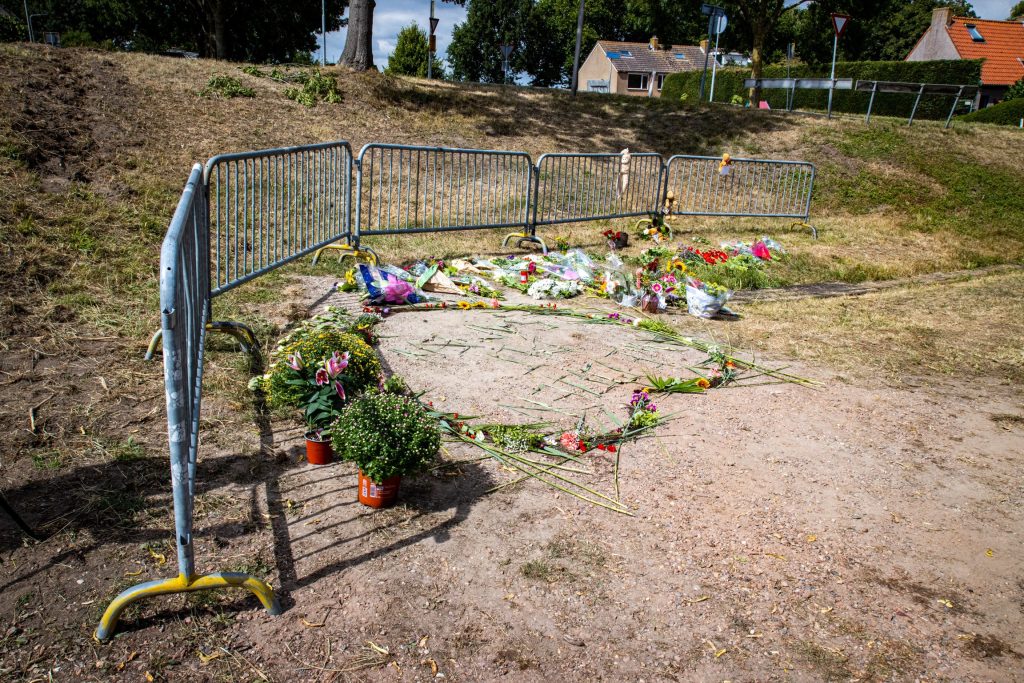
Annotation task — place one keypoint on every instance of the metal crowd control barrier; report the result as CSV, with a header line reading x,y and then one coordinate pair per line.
x,y
404,189
185,309
268,208
958,92
747,188
586,187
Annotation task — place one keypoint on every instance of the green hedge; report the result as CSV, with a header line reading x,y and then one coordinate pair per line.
x,y
729,82
1007,113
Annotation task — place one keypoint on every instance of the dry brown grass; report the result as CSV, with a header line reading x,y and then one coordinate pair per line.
x,y
931,333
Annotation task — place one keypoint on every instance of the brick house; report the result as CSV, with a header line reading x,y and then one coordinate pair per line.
x,y
636,68
999,43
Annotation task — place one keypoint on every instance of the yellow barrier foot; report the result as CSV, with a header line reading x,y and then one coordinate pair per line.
x,y
800,224
183,584
521,237
242,333
348,250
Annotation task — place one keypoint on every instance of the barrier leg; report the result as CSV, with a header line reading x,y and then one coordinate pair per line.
x,y
801,224
346,250
184,584
242,333
521,237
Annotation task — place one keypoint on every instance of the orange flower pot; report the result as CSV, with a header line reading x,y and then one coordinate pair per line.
x,y
378,495
318,452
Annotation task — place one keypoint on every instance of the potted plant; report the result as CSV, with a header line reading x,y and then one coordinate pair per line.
x,y
322,386
616,239
386,436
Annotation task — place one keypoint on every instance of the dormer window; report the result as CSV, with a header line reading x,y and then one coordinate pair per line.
x,y
975,35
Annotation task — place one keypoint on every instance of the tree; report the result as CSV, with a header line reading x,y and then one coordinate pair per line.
x,y
760,18
475,51
251,30
409,57
1015,91
1017,12
358,52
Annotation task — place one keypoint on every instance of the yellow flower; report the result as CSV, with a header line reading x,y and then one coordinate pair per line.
x,y
703,383
464,305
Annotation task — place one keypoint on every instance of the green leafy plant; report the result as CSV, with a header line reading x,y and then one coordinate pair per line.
x,y
395,385
317,340
386,435
321,386
674,385
316,87
226,86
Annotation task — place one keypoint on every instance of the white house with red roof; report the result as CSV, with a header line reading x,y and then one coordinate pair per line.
x,y
999,43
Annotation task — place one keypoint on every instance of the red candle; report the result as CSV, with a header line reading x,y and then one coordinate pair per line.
x,y
524,276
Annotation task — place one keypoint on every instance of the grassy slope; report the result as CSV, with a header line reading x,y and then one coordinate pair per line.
x,y
95,147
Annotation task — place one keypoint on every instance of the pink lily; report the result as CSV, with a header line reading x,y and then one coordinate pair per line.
x,y
340,390
295,361
322,377
336,363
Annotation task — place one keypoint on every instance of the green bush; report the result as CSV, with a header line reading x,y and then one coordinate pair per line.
x,y
226,86
316,87
386,435
1015,91
12,29
1007,113
729,84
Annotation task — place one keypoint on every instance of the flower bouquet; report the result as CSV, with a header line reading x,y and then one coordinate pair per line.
x,y
322,387
705,299
550,288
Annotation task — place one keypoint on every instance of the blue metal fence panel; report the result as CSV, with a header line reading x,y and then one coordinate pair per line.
x,y
273,206
185,310
409,189
585,187
745,187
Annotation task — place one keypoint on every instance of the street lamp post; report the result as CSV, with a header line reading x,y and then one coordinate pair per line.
x,y
323,32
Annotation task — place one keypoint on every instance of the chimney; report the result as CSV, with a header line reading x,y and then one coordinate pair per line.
x,y
654,43
703,46
942,17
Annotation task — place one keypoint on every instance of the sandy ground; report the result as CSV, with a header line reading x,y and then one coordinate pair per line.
x,y
778,533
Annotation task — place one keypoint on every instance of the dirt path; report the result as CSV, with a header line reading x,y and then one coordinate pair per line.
x,y
778,533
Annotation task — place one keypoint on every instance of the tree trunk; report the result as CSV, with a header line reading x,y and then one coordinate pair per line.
x,y
220,26
358,53
756,64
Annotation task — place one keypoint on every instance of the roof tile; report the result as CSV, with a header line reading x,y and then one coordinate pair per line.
x,y
1002,49
643,59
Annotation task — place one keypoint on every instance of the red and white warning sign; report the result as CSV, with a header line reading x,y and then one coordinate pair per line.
x,y
839,23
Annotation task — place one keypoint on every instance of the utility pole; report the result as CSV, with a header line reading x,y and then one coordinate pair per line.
x,y
579,42
323,32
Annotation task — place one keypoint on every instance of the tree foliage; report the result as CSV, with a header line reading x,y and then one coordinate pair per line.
x,y
475,51
409,57
1017,12
243,30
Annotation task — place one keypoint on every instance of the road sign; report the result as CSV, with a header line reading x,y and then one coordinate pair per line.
x,y
711,10
433,24
719,23
506,50
432,46
839,23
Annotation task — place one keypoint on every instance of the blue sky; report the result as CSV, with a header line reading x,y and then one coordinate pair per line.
x,y
391,15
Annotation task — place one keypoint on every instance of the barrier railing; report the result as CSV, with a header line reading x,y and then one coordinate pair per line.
x,y
405,189
271,207
571,188
184,311
249,213
705,186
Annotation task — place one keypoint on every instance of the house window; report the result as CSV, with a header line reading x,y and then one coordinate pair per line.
x,y
680,55
975,35
661,81
636,82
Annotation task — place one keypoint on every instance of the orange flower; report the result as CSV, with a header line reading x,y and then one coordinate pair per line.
x,y
703,383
